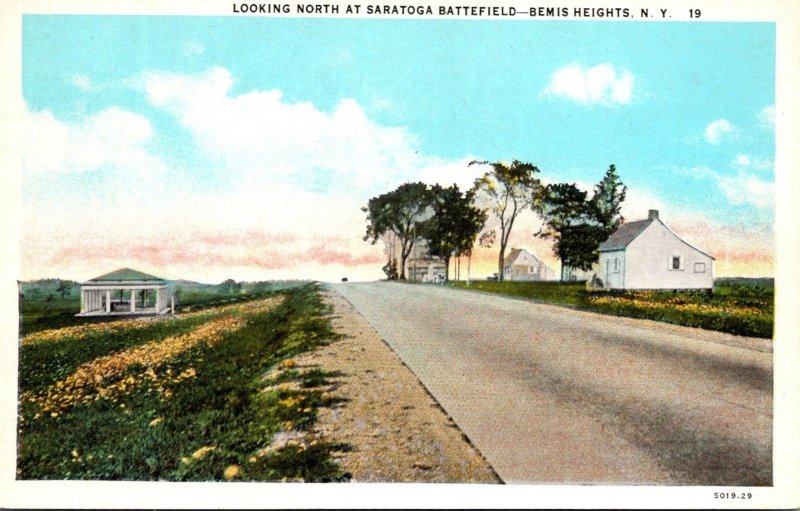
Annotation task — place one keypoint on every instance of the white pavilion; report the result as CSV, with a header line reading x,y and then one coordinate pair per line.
x,y
125,292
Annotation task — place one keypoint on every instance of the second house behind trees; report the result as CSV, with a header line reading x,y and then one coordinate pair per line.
x,y
522,265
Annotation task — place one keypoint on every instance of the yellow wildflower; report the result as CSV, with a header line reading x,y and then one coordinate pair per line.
x,y
231,472
289,363
199,453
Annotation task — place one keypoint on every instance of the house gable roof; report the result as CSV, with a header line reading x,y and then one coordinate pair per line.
x,y
626,233
514,254
126,275
511,257
623,236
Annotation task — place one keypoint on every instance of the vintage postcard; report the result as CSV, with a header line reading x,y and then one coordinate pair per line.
x,y
375,254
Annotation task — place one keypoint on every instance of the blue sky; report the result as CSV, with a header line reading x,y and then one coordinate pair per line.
x,y
204,107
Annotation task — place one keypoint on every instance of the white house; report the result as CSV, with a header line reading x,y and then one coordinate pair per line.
x,y
423,267
125,292
646,254
520,264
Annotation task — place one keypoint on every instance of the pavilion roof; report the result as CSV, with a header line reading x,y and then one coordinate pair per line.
x,y
127,275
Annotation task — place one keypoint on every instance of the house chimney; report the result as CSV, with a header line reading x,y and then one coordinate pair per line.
x,y
652,214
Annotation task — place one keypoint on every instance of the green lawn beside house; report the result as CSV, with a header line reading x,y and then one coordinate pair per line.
x,y
738,306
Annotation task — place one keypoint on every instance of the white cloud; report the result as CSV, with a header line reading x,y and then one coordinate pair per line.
x,y
260,134
716,130
767,117
448,173
741,189
193,48
112,138
747,189
747,161
601,84
83,82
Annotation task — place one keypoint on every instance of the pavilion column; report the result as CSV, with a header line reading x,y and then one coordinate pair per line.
x,y
133,300
108,300
83,300
158,301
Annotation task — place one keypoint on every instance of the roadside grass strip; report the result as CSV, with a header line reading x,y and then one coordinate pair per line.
x,y
751,317
223,401
733,308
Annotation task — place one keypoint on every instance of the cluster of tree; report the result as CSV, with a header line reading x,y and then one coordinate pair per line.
x,y
577,223
444,217
48,289
451,221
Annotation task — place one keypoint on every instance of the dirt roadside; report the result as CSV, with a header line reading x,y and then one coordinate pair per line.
x,y
396,429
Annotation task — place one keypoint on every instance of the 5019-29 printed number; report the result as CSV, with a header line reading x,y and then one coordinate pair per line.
x,y
732,495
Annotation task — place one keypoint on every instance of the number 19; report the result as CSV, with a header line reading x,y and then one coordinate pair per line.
x,y
694,13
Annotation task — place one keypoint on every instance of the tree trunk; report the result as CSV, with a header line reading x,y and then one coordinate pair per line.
x,y
404,253
403,256
469,264
500,262
447,269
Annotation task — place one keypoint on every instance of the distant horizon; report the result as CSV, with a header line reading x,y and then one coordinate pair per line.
x,y
244,147
329,281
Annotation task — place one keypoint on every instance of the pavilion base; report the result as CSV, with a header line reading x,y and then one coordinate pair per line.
x,y
142,311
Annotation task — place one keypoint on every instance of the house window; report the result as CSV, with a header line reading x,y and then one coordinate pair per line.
x,y
616,265
531,269
675,263
699,267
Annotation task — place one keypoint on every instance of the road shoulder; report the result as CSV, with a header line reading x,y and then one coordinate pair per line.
x,y
397,431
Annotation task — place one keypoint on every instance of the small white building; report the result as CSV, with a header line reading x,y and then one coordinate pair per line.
x,y
570,274
646,254
521,265
125,292
423,267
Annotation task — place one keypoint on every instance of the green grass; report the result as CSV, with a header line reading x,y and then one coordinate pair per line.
x,y
569,293
44,362
43,307
225,406
738,306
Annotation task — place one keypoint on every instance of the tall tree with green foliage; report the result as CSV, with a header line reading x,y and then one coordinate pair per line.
x,y
578,224
401,212
562,207
609,194
508,190
455,224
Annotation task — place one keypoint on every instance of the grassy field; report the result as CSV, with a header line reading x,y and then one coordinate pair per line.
x,y
738,306
53,303
212,394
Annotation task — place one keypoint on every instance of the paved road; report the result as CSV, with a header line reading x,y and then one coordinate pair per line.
x,y
550,394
